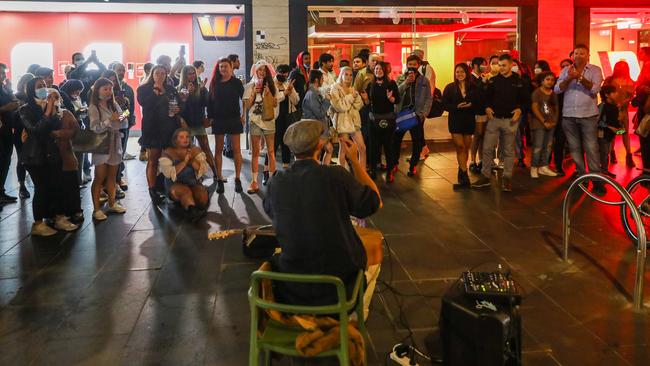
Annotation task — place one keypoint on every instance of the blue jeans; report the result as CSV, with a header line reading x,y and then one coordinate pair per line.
x,y
582,133
542,142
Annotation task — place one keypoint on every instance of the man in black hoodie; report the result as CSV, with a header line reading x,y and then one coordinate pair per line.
x,y
301,76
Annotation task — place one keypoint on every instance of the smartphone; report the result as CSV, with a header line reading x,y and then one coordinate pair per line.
x,y
126,113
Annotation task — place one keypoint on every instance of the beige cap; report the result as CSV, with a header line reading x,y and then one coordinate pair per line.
x,y
303,136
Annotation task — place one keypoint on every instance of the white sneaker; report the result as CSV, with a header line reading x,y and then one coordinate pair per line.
x,y
533,172
99,215
62,223
40,228
545,170
128,156
117,208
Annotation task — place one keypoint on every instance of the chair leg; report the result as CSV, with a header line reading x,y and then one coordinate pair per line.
x,y
267,357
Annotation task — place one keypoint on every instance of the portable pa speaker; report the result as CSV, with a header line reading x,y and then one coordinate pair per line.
x,y
479,332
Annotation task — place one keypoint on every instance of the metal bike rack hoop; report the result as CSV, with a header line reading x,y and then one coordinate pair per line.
x,y
627,200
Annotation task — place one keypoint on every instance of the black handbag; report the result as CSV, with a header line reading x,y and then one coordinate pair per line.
x,y
87,141
437,108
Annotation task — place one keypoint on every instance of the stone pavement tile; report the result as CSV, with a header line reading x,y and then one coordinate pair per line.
x,y
231,308
141,250
8,290
227,346
538,358
51,289
410,251
405,306
635,355
111,306
24,330
90,351
17,266
171,331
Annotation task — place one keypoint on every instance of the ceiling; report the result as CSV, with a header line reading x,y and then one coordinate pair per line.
x,y
623,18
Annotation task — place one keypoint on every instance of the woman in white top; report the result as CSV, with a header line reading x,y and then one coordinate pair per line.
x,y
346,103
105,116
262,100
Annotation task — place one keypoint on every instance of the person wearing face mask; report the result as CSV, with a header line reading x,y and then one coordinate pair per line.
x,y
81,72
106,116
123,103
415,93
580,84
505,98
8,105
541,66
301,75
70,93
40,117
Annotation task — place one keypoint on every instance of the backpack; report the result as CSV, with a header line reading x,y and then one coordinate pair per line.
x,y
436,106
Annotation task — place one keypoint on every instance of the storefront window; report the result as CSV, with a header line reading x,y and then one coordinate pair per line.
x,y
446,35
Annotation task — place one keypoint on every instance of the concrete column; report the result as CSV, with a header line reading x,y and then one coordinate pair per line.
x,y
271,31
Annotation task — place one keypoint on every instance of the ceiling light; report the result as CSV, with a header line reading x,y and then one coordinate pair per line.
x,y
636,26
623,25
464,18
338,17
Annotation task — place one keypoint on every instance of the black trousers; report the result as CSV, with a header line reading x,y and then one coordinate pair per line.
x,y
604,146
645,151
48,195
365,125
417,142
382,137
559,143
70,194
6,149
18,144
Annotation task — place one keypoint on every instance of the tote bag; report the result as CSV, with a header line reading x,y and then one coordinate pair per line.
x,y
87,141
406,119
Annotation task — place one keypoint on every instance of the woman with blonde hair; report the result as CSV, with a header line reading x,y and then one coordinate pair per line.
x,y
346,104
262,101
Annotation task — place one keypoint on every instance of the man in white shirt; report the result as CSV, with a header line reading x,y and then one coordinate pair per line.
x,y
326,62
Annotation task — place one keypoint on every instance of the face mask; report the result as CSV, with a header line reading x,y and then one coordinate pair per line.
x,y
105,97
306,67
494,68
281,78
41,93
413,69
538,71
78,63
483,69
515,69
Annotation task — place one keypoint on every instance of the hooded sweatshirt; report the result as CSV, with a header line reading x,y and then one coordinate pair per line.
x,y
301,76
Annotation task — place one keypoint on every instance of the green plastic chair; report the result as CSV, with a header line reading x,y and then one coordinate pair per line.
x,y
281,338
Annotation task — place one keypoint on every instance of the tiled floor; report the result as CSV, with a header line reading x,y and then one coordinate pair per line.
x,y
147,288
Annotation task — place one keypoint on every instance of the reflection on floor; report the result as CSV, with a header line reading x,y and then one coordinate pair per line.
x,y
147,288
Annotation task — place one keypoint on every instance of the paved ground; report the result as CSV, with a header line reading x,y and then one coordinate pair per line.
x,y
147,288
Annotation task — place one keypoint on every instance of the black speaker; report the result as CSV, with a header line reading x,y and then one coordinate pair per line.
x,y
479,332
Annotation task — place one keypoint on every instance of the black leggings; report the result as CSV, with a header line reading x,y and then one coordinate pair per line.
x,y
18,144
48,195
382,137
6,149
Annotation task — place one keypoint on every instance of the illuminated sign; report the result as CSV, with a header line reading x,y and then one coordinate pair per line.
x,y
221,27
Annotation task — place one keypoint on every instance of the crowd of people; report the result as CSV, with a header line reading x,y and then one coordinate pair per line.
x,y
497,106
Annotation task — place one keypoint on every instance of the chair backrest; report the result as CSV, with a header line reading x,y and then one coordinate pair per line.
x,y
341,308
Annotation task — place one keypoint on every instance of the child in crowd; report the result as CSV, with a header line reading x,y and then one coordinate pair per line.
x,y
608,125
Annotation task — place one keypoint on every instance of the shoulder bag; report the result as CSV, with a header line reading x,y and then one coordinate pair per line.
x,y
87,141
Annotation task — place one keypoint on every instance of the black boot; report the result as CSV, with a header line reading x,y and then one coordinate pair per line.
x,y
220,187
156,197
265,177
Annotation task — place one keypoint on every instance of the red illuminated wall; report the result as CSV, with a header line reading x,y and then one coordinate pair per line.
x,y
70,33
555,31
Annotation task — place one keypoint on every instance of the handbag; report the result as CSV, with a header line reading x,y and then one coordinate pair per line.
x,y
87,141
268,107
644,126
406,119
437,109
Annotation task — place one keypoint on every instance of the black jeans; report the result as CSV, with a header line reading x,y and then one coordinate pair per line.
x,y
125,139
70,195
6,150
382,135
559,144
604,146
417,143
48,182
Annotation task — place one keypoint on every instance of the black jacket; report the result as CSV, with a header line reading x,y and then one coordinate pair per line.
x,y
452,97
39,148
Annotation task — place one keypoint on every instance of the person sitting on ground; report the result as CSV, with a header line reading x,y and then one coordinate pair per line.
x,y
310,206
183,165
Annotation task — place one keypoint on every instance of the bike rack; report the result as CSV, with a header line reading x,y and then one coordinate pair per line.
x,y
627,200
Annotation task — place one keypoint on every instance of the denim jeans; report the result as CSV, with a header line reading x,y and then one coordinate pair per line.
x,y
542,143
582,133
501,131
